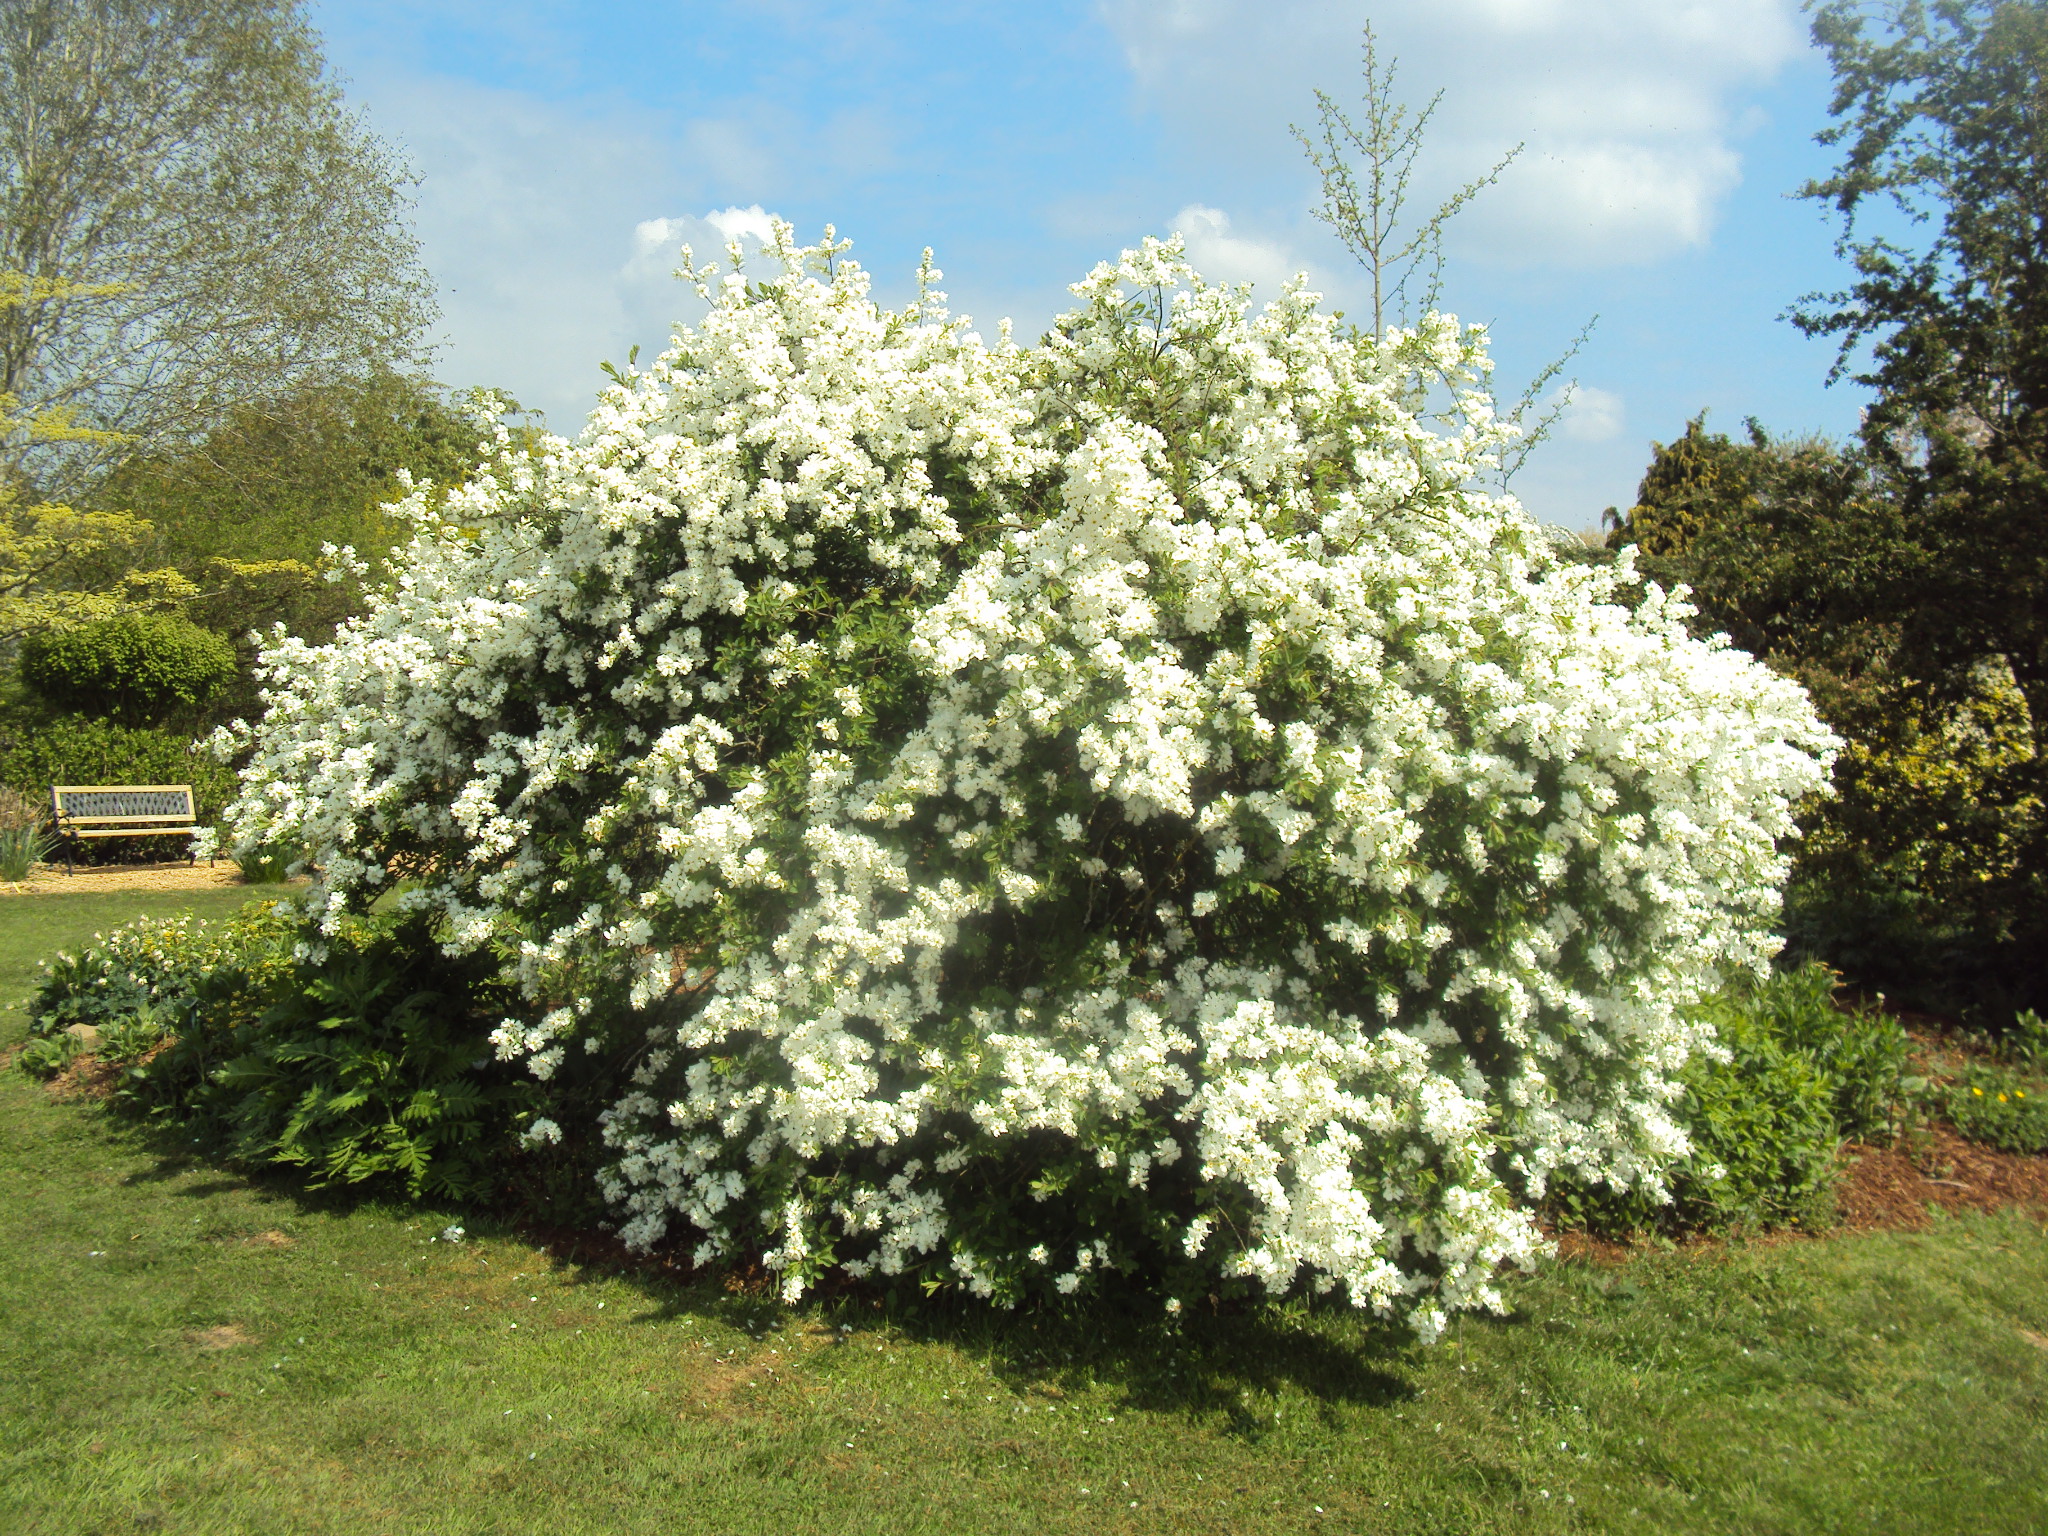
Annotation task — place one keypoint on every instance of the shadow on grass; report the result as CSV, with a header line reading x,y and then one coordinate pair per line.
x,y
1209,1365
1205,1364
173,1158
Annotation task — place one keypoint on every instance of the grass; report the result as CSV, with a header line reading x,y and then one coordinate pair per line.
x,y
188,1350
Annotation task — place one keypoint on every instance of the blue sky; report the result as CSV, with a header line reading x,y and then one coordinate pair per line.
x,y
565,149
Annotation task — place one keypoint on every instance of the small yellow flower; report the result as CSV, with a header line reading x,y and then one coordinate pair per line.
x,y
1978,1091
2001,1098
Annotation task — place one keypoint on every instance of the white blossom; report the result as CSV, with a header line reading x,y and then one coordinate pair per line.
x,y
976,776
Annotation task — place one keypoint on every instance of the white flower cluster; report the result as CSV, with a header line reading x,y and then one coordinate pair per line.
x,y
1019,814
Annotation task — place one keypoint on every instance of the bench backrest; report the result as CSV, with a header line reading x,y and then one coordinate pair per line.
x,y
137,803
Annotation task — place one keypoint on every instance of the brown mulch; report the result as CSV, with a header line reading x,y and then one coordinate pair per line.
x,y
1880,1189
50,879
1603,1251
87,1076
84,1077
1894,1188
1889,1188
1898,1187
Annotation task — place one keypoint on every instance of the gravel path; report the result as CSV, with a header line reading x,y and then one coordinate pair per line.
x,y
50,879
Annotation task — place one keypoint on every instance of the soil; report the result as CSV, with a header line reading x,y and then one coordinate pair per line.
x,y
87,1076
84,1077
50,879
1895,1188
1898,1187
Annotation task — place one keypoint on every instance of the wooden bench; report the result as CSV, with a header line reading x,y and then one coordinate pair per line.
x,y
122,810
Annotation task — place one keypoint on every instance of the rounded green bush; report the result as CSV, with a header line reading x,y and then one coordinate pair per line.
x,y
1799,1077
133,666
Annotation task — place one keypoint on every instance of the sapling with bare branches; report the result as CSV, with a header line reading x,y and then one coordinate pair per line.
x,y
1367,167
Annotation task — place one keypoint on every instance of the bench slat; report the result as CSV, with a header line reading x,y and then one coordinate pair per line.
x,y
70,821
127,831
111,789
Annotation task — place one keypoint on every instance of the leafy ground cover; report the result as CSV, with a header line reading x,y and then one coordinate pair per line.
x,y
189,1350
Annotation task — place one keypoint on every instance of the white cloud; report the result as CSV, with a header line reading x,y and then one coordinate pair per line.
x,y
1629,109
534,221
1222,257
743,224
658,243
1590,415
652,301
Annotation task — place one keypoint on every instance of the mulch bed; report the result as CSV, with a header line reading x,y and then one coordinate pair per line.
x,y
1886,1189
1894,1188
1897,1188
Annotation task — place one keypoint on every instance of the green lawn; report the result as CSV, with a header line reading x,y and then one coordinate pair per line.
x,y
185,1350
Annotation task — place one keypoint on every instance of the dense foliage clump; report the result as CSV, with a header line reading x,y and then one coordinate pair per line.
x,y
1923,873
134,667
1129,804
25,833
159,967
1792,1076
358,1068
2001,1107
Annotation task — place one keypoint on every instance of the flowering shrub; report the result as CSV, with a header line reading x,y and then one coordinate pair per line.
x,y
1124,805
